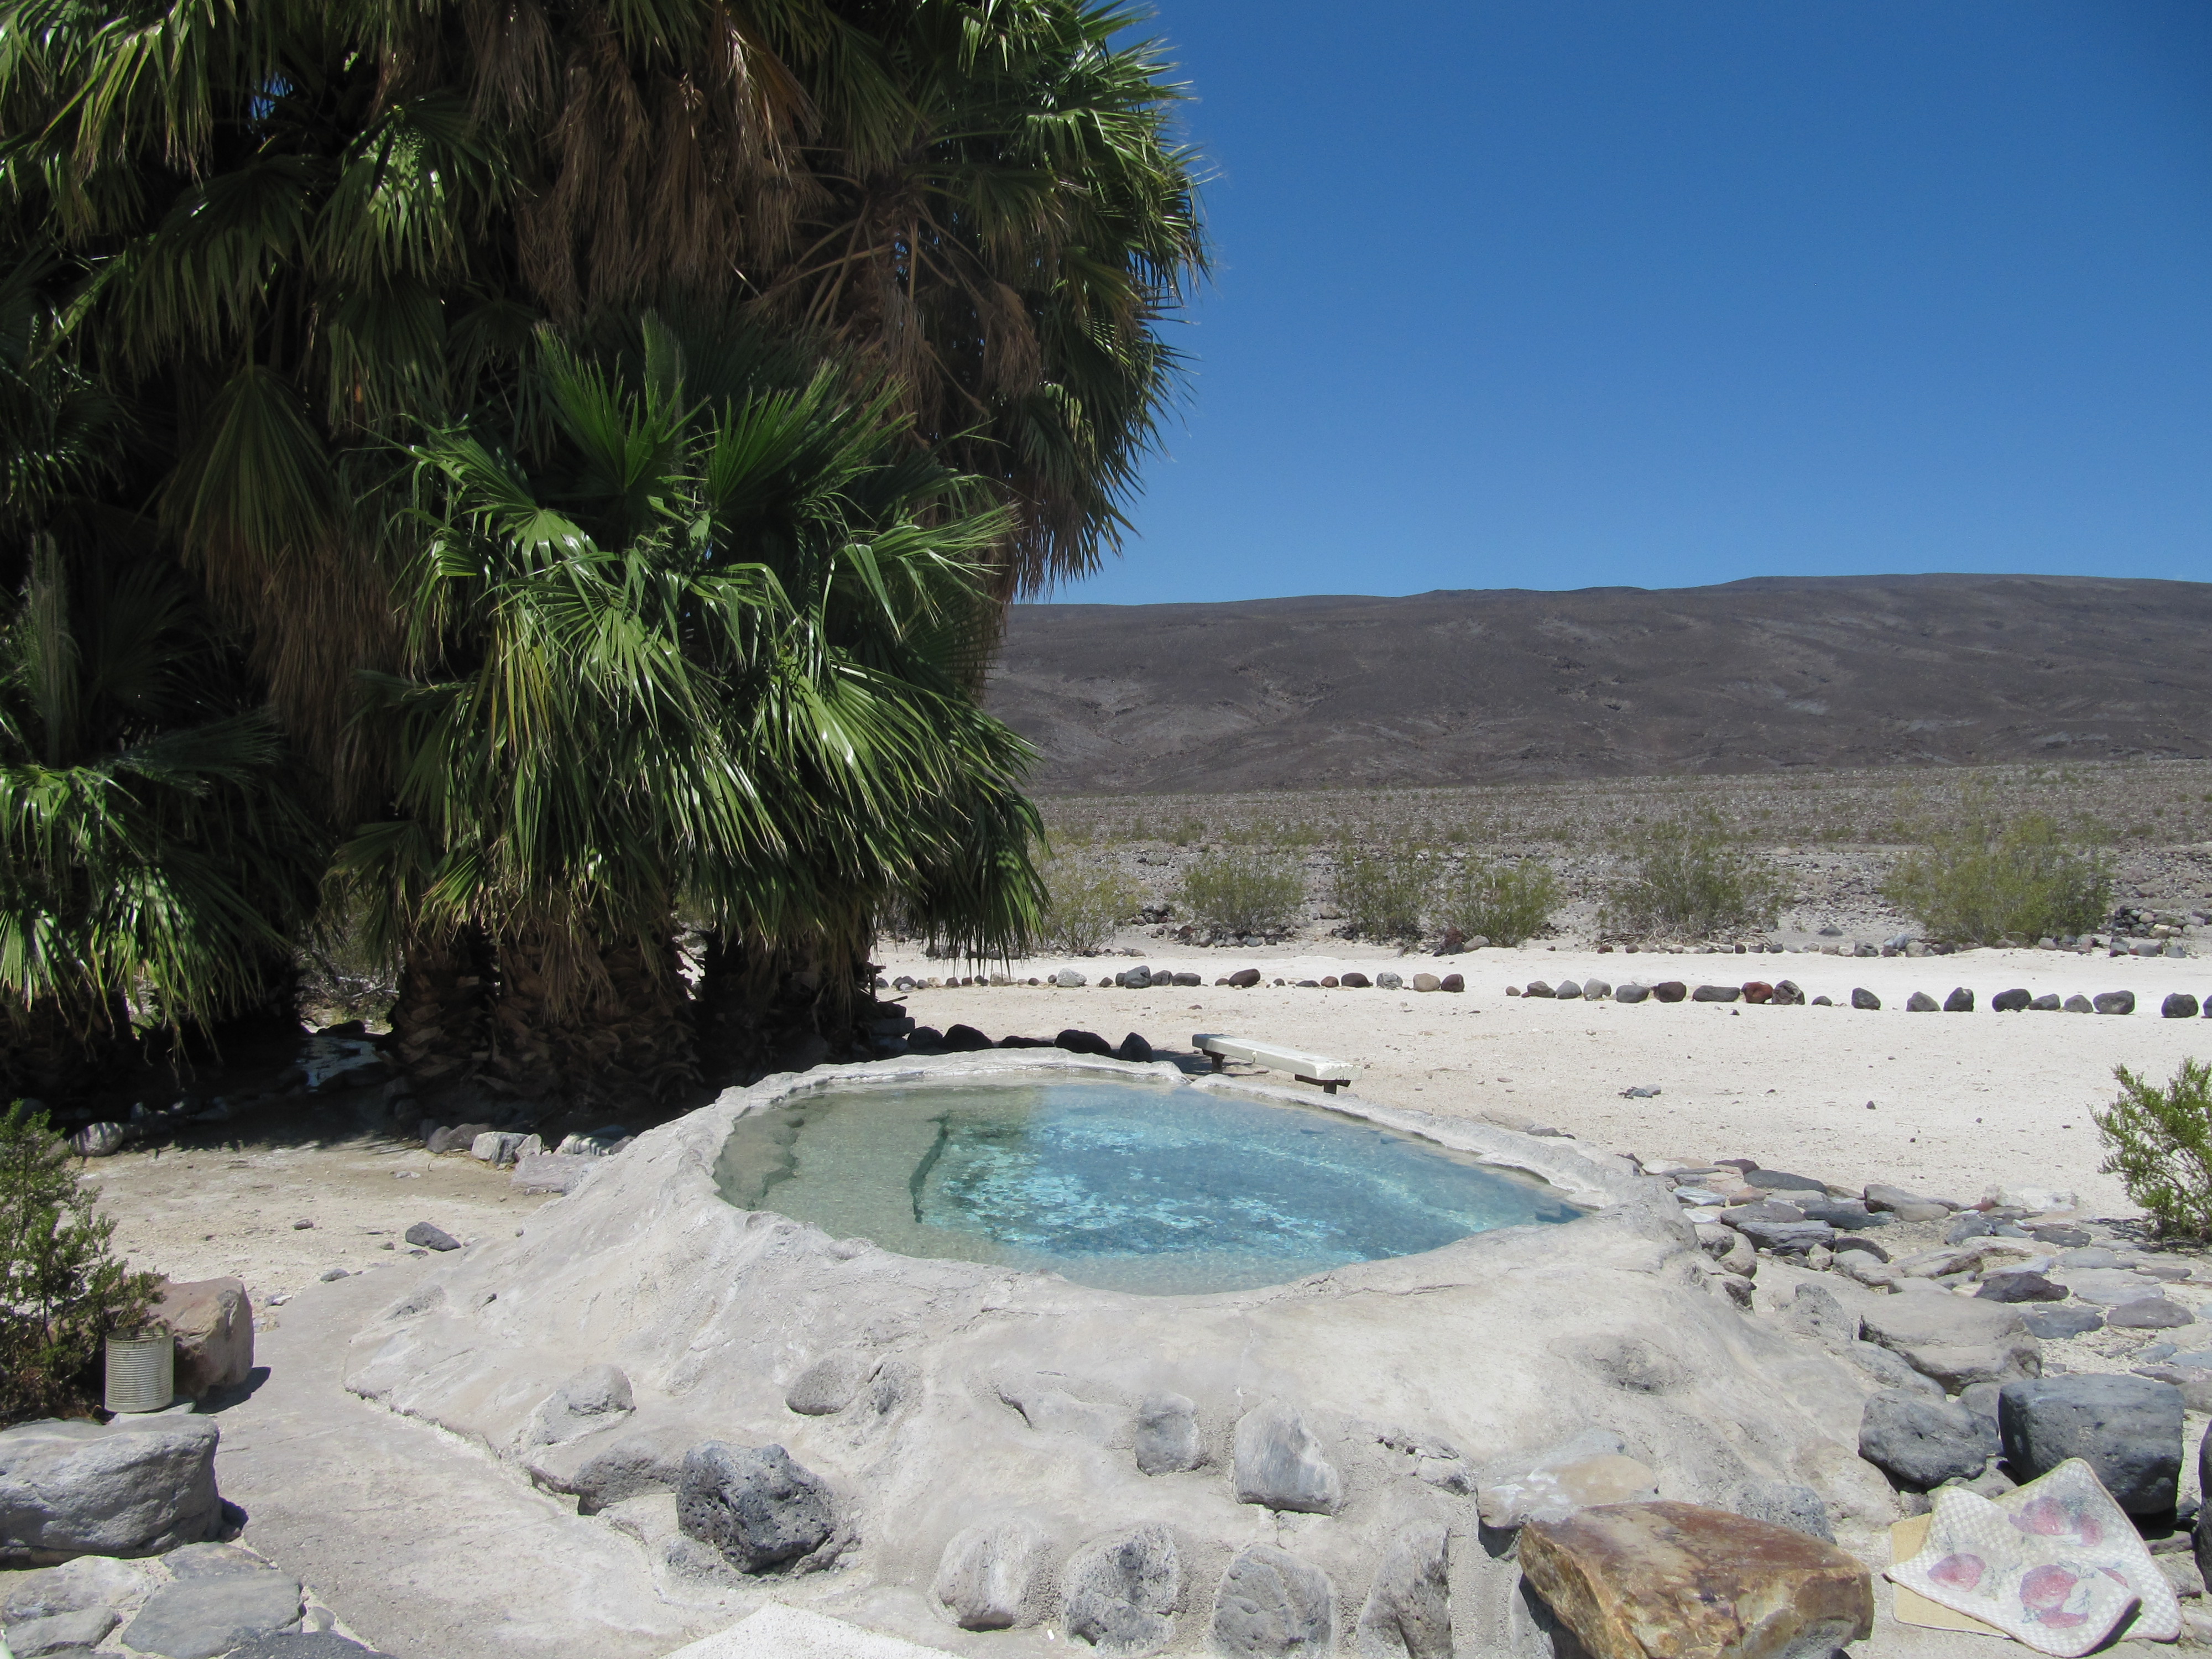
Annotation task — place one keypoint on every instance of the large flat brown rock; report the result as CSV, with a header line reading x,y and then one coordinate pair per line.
x,y
1675,1580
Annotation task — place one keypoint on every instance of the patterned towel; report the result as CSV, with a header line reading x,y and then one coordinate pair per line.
x,y
2055,1563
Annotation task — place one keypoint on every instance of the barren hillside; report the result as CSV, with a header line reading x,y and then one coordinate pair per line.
x,y
1471,687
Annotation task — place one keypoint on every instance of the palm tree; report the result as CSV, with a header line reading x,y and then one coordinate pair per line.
x,y
699,652
301,226
299,232
152,851
1003,240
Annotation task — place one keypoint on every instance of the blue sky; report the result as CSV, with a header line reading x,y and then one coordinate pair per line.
x,y
1572,293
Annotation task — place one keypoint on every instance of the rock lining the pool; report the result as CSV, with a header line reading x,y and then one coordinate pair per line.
x,y
1102,1441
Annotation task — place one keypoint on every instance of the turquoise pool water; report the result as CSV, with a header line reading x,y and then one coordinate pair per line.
x,y
1162,1190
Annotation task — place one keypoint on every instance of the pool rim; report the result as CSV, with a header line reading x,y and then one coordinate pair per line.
x,y
1590,1182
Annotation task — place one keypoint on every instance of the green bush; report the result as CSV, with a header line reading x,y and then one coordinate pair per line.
x,y
1986,882
1384,895
1086,904
2159,1142
1690,878
1237,892
61,1292
1505,903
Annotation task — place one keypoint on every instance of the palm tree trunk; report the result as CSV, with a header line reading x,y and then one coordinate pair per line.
x,y
44,1051
576,1021
763,1009
439,1023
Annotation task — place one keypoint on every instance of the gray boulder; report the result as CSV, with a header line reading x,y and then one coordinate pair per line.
x,y
78,1586
99,1139
1669,990
1273,1606
2127,1428
1568,990
634,1464
1782,1181
201,1618
1387,980
995,1578
1718,993
1921,1443
1921,1003
2078,1003
2114,1002
594,1399
1245,978
1788,993
752,1503
304,1645
2149,1313
1407,1614
1904,1205
455,1137
1956,1342
137,1486
1891,1370
211,1560
2019,1287
499,1146
1783,1503
1790,1237
1167,1438
1278,1463
2179,1005
2012,1001
1120,1591
829,1384
2048,1003
1961,1001
60,1633
424,1236
551,1172
1863,998
1632,993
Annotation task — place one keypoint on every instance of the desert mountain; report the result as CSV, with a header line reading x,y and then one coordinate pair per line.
x,y
1475,687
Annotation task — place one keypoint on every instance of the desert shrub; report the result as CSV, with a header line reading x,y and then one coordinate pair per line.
x,y
1988,881
1086,904
1384,895
1243,892
61,1291
1505,903
2158,1141
1689,878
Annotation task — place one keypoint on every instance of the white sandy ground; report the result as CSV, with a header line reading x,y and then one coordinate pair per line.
x,y
1959,1101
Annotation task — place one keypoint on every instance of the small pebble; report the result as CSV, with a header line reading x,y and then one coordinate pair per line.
x,y
301,1224
331,1275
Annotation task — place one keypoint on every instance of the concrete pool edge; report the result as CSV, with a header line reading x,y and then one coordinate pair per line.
x,y
986,1391
1589,1181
